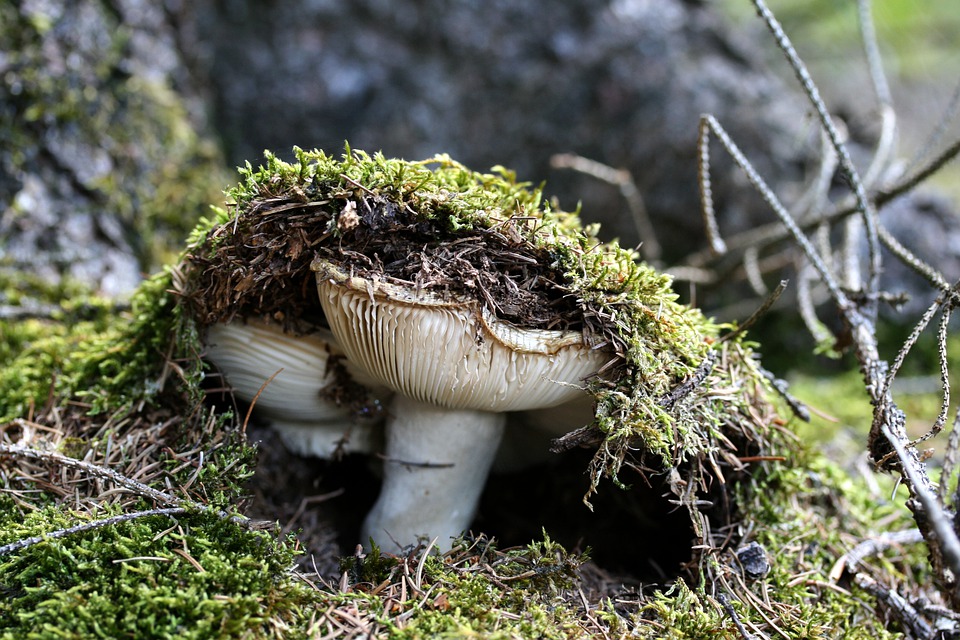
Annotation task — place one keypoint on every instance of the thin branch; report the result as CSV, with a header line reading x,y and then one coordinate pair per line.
x,y
94,470
732,613
136,487
683,389
941,523
751,266
847,169
907,257
850,561
816,196
886,145
770,234
650,247
808,310
710,124
868,37
850,254
906,184
908,344
902,609
949,465
781,387
717,245
941,419
759,313
888,116
89,526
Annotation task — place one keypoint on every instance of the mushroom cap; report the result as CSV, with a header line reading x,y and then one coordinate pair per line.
x,y
297,399
450,351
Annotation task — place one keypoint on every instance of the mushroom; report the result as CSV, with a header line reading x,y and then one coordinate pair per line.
x,y
455,370
292,381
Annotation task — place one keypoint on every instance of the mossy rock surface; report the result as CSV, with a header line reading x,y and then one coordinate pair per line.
x,y
103,167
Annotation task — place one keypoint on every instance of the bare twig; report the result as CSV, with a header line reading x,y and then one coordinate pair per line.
x,y
808,310
944,376
732,613
851,560
949,466
931,275
887,143
773,233
710,225
759,313
94,470
816,197
708,125
780,386
684,388
946,540
650,247
908,344
751,265
902,609
89,526
868,37
177,504
847,170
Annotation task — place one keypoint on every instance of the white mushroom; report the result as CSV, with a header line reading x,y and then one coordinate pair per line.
x,y
455,369
297,400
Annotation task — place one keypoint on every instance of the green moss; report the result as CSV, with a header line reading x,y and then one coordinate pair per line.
x,y
472,591
191,577
70,83
97,353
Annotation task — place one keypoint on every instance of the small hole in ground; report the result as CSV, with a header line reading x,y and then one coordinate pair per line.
x,y
634,532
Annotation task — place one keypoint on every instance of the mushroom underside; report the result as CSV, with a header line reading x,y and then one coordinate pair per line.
x,y
455,370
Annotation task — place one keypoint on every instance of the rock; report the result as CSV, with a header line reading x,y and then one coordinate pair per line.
x,y
102,168
622,82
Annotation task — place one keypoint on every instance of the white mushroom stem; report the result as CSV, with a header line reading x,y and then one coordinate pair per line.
x,y
454,366
436,462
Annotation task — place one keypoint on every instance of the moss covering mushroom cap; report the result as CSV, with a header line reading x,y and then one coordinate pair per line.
x,y
673,398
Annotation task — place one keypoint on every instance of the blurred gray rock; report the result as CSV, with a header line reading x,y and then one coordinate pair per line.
x,y
102,168
511,83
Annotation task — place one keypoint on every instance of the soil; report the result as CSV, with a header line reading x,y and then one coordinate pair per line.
x,y
259,265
